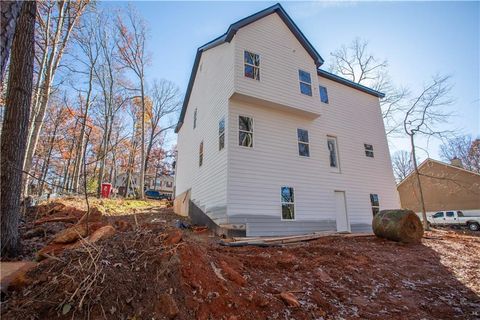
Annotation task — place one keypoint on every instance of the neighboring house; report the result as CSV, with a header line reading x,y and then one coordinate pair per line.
x,y
270,144
163,183
445,187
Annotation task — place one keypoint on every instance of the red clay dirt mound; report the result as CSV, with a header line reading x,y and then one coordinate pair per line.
x,y
143,274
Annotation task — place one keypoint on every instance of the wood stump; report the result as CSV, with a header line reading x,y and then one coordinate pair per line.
x,y
398,225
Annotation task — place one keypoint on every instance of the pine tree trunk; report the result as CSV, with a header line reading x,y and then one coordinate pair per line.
x,y
15,128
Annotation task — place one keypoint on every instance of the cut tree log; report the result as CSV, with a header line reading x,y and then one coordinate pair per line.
x,y
398,225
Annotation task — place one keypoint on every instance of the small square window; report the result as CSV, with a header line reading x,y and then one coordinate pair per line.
x,y
251,65
288,203
323,94
368,150
305,82
303,143
245,131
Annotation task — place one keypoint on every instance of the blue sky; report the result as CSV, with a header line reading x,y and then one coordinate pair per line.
x,y
419,39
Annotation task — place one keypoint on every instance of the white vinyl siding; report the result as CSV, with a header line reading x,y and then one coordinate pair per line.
x,y
254,176
281,56
212,88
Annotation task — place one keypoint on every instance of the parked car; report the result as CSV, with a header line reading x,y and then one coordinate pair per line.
x,y
157,195
454,218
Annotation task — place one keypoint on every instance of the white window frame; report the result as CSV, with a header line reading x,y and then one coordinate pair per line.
x,y
221,134
201,152
337,154
301,142
195,115
320,94
371,203
294,205
368,150
307,83
251,65
252,132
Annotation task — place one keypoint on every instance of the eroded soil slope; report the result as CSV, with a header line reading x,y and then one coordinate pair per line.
x,y
155,271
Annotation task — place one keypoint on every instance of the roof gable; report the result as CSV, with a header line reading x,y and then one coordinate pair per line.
x,y
436,162
232,30
228,36
277,8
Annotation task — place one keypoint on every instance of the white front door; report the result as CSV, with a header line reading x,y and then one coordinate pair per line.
x,y
341,212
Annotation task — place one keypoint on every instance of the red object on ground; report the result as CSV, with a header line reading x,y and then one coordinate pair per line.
x,y
106,188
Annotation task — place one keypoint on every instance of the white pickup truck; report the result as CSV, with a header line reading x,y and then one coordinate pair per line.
x,y
451,218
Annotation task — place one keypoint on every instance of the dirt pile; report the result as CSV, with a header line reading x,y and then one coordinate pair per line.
x,y
153,270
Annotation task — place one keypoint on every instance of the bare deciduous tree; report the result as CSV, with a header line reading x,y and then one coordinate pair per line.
x,y
56,23
90,51
15,128
425,113
166,101
356,63
133,56
108,75
402,165
464,148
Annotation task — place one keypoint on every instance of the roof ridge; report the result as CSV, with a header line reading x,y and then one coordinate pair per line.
x,y
438,162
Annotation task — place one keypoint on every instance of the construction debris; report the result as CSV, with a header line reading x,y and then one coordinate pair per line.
x,y
273,241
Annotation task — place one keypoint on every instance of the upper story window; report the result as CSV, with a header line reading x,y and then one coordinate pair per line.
x,y
303,143
195,118
288,203
323,94
333,152
221,134
368,150
200,155
305,82
169,184
245,131
251,65
375,203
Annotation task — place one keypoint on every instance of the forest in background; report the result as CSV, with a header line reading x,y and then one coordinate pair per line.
x,y
90,95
